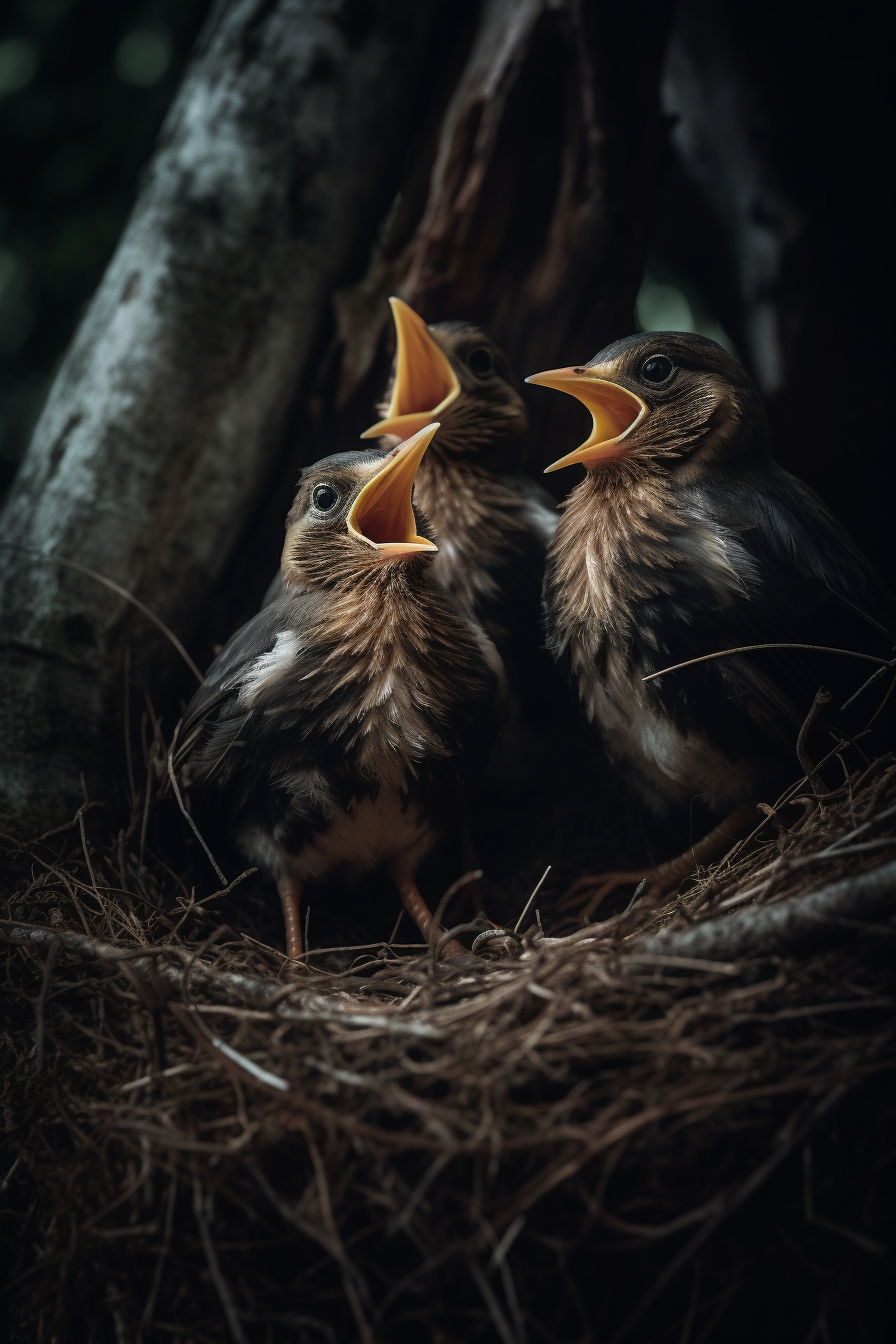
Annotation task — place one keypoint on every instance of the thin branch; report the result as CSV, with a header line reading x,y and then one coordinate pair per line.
x,y
149,1309
822,697
149,966
538,886
233,1322
41,1005
242,1062
329,1221
797,925
180,803
751,648
122,592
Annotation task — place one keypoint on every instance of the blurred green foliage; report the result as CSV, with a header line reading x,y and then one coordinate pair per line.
x,y
84,86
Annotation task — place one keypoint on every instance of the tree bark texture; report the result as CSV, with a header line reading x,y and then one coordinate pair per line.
x,y
518,142
794,927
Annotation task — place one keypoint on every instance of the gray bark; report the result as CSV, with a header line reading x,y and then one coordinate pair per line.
x,y
799,925
278,158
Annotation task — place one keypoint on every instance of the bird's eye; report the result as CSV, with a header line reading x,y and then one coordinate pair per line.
x,y
657,369
324,498
480,361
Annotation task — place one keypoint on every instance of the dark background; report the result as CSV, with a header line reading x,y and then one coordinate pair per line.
x,y
84,85
770,232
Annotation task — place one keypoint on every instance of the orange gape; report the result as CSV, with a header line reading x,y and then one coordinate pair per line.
x,y
425,383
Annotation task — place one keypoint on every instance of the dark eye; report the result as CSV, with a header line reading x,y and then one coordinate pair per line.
x,y
324,498
480,361
657,369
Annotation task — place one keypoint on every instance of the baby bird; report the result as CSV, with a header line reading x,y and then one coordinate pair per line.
x,y
493,524
335,730
686,538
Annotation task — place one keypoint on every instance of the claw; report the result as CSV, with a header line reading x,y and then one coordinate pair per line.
x,y
601,885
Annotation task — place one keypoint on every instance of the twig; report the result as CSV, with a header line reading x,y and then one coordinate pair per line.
x,y
822,697
473,876
345,1265
499,1320
4,1184
214,1267
126,715
225,891
40,1005
19,846
146,801
751,648
148,965
518,925
180,803
199,1030
788,796
395,928
149,1309
797,925
86,855
122,592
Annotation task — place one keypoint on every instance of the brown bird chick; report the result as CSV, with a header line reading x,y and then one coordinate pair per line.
x,y
684,539
336,729
493,524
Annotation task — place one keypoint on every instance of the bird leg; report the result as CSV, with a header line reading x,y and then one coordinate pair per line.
x,y
404,878
590,890
290,889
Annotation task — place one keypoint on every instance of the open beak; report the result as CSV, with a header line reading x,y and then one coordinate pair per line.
x,y
614,411
382,516
425,383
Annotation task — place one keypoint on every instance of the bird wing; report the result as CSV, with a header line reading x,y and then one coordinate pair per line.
x,y
276,588
220,712
763,561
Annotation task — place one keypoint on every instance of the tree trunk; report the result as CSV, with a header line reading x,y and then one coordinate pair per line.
x,y
524,140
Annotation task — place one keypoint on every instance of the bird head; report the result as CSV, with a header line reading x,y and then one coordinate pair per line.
x,y
660,396
353,512
451,372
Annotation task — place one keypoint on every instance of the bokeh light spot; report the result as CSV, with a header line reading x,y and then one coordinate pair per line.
x,y
143,57
18,62
664,307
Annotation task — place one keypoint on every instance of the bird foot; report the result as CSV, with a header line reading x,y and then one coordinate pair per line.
x,y
496,944
589,891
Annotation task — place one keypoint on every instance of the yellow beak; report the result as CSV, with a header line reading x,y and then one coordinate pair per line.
x,y
382,516
615,412
425,383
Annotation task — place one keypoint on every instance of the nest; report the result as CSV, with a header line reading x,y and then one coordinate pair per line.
x,y
673,1124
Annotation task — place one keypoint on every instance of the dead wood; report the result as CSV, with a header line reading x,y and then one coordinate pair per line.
x,y
794,927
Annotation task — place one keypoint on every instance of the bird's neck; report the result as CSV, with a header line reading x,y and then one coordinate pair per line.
x,y
611,549
400,669
476,518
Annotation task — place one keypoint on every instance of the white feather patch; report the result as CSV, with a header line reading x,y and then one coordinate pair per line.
x,y
270,665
